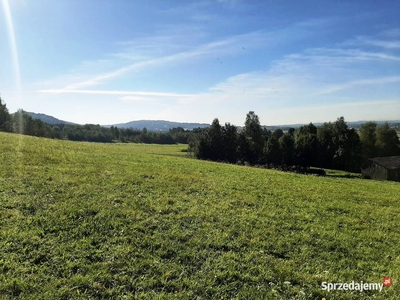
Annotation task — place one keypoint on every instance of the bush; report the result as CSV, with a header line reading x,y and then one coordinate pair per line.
x,y
320,172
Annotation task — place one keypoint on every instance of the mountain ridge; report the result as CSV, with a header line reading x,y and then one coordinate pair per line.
x,y
49,119
164,126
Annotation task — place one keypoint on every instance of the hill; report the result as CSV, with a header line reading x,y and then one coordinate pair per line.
x,y
165,126
150,125
159,125
86,221
48,119
354,124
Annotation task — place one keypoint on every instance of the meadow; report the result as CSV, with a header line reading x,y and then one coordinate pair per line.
x,y
131,221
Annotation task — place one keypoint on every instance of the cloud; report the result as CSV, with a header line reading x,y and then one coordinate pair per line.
x,y
227,46
297,79
337,55
388,40
113,92
318,82
382,43
138,99
351,84
393,33
345,105
174,44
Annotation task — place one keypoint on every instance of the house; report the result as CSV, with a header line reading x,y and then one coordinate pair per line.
x,y
382,168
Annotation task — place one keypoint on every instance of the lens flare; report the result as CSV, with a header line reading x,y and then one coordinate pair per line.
x,y
14,51
13,43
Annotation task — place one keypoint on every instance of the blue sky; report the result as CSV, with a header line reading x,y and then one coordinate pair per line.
x,y
107,62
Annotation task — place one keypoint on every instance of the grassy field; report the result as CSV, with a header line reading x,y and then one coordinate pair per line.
x,y
129,221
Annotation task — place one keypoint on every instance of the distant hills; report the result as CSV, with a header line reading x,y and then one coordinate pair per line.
x,y
49,119
150,125
159,125
164,126
354,124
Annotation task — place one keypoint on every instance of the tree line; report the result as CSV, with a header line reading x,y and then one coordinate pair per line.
x,y
23,123
332,145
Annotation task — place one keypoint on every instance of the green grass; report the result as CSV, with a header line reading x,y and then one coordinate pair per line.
x,y
129,221
341,174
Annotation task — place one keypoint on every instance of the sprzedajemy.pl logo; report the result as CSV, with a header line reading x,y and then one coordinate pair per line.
x,y
356,286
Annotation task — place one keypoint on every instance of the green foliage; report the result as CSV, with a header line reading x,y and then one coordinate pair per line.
x,y
133,221
339,147
368,139
387,141
326,147
209,144
229,143
332,145
305,144
286,146
21,122
379,140
254,134
5,118
273,152
347,146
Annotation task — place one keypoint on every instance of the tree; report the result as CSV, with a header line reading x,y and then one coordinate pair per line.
x,y
326,145
253,133
243,149
348,147
229,143
114,132
277,134
353,151
56,132
209,144
5,118
286,147
339,139
368,139
387,141
272,151
305,144
22,123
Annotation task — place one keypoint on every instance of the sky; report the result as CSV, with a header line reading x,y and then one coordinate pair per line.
x,y
115,61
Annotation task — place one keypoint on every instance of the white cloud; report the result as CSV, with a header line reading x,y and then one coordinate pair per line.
x,y
138,99
382,43
114,92
351,84
315,84
306,84
174,45
226,46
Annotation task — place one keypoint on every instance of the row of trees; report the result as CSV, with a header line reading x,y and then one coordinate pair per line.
x,y
332,145
21,122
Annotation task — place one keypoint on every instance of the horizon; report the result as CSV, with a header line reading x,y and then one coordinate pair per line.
x,y
205,123
116,62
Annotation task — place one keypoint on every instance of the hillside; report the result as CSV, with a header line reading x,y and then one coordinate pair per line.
x,y
48,119
158,125
124,221
165,126
150,125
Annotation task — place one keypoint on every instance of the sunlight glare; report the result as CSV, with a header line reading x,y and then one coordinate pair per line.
x,y
13,45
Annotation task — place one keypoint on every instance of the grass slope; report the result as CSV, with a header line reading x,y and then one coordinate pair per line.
x,y
128,221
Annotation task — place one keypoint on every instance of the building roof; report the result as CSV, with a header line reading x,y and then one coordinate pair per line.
x,y
390,162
